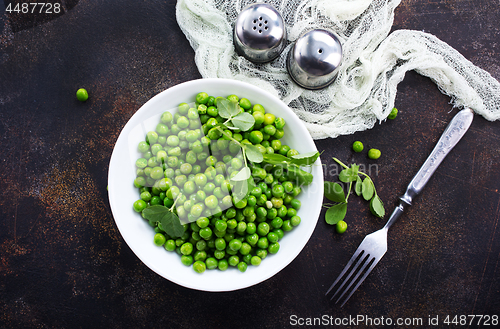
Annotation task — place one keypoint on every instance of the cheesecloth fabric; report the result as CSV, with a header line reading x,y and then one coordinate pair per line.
x,y
374,61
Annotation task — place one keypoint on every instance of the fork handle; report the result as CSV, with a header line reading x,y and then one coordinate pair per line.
x,y
455,130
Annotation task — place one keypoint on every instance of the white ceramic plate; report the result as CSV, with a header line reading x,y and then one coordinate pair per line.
x,y
139,235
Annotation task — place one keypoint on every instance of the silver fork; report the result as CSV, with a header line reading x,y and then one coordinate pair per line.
x,y
374,245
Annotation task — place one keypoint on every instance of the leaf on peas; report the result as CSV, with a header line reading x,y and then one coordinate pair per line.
x,y
305,159
377,206
367,189
167,219
242,175
348,175
358,186
336,213
243,121
240,189
253,154
299,176
334,192
227,108
276,159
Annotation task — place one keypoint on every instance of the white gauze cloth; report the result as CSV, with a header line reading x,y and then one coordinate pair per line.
x,y
374,62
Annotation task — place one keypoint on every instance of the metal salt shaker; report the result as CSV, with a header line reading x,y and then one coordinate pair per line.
x,y
314,60
259,33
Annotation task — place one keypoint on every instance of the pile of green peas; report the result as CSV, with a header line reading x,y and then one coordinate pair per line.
x,y
189,162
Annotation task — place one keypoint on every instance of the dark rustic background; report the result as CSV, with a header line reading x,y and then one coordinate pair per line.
x,y
63,262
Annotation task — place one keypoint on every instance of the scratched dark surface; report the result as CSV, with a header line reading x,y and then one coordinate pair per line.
x,y
63,262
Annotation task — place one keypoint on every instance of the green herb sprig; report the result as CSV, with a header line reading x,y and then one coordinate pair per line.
x,y
166,217
362,187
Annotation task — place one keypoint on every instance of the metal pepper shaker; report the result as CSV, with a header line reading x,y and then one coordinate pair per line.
x,y
259,33
314,60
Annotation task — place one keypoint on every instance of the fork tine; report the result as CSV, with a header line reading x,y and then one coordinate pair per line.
x,y
366,260
375,262
353,258
360,261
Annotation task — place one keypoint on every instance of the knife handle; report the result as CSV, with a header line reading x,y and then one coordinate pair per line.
x,y
450,137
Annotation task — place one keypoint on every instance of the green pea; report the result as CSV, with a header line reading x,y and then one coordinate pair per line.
x,y
273,248
170,245
235,244
212,111
252,239
256,260
256,137
211,100
263,229
279,133
219,254
279,123
357,146
159,239
291,153
187,248
151,137
155,200
140,205
82,95
263,243
341,227
283,150
236,163
295,220
295,204
220,243
166,117
141,163
242,266
206,233
280,232
374,154
393,114
202,98
269,129
223,265
269,119
233,98
277,222
287,226
278,190
211,263
187,260
143,147
182,122
146,196
183,108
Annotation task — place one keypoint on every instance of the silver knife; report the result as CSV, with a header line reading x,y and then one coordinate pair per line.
x,y
455,130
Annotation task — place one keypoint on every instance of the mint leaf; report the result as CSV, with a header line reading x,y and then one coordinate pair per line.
x,y
377,206
334,192
299,176
348,175
336,213
276,159
243,121
367,189
243,174
305,159
358,186
240,189
253,154
168,220
227,108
